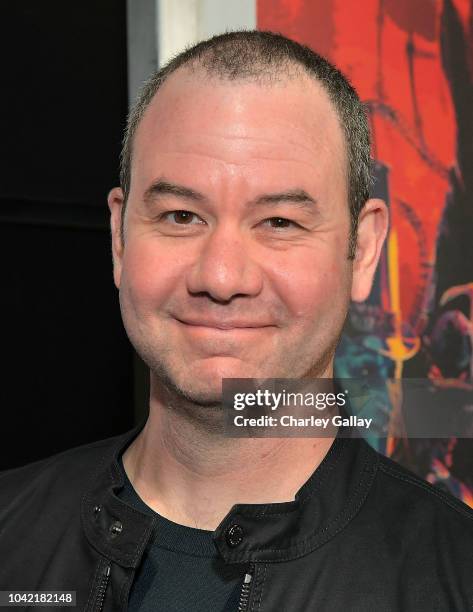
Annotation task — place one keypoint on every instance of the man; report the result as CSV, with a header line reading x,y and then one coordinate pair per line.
x,y
242,230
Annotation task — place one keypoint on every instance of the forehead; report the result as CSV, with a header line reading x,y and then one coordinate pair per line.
x,y
288,123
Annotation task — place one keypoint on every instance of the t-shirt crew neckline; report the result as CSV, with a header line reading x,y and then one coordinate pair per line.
x,y
167,534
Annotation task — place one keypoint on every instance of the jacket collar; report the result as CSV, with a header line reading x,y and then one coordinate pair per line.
x,y
323,506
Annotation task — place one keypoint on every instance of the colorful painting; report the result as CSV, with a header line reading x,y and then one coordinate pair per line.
x,y
412,64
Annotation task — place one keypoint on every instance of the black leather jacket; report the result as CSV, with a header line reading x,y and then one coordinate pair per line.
x,y
363,534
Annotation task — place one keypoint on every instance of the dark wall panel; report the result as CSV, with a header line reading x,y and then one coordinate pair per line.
x,y
67,372
64,94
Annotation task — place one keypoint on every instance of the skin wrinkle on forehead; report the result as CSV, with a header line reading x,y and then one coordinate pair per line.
x,y
264,156
234,168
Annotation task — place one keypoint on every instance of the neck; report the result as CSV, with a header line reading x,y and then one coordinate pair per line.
x,y
193,475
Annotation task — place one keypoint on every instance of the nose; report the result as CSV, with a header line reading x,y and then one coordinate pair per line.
x,y
224,267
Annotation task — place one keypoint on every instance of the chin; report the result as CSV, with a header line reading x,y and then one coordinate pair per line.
x,y
211,371
201,382
201,392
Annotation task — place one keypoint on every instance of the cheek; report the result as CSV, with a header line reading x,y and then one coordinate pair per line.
x,y
315,286
148,276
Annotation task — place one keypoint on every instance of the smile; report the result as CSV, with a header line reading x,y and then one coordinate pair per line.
x,y
222,326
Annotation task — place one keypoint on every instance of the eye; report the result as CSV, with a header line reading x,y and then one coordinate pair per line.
x,y
281,222
181,217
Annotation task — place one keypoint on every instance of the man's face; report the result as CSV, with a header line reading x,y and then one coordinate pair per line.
x,y
251,278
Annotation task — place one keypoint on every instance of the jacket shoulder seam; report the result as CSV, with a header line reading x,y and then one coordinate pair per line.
x,y
416,481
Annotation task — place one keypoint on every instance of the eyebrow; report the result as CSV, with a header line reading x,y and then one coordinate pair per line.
x,y
160,187
295,196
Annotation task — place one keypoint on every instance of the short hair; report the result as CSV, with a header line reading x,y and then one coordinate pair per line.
x,y
259,55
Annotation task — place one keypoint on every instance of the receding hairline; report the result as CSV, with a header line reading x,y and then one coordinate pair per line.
x,y
267,77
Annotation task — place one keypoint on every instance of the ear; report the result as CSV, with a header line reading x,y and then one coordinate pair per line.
x,y
372,229
115,204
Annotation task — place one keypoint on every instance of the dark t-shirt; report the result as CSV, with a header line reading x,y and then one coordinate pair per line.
x,y
181,569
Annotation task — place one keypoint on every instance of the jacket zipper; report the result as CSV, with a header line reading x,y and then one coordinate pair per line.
x,y
102,587
245,589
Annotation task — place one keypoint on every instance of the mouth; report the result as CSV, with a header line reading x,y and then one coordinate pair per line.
x,y
224,325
